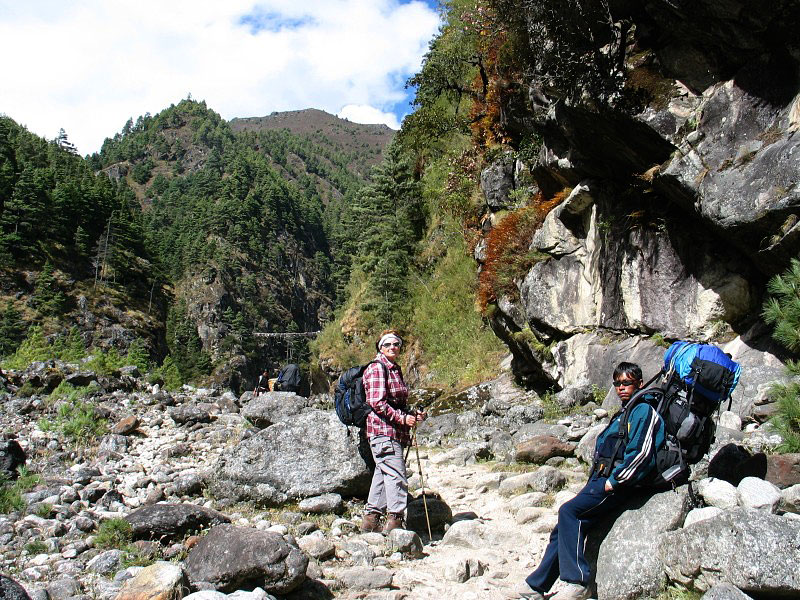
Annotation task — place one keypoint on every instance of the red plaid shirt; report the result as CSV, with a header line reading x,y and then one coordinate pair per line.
x,y
385,418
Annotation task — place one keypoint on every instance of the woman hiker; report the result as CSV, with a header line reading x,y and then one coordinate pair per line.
x,y
388,431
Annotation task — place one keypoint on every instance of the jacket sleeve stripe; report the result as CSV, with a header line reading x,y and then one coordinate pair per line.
x,y
644,453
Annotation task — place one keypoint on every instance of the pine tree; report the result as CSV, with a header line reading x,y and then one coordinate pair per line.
x,y
47,297
783,311
12,329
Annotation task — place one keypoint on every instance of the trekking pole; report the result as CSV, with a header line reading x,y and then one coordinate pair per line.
x,y
422,483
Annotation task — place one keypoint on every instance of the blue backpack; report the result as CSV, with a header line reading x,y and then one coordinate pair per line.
x,y
704,368
697,378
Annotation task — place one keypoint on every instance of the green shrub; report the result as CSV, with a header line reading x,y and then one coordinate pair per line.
x,y
36,547
105,362
114,533
11,491
27,389
43,510
78,420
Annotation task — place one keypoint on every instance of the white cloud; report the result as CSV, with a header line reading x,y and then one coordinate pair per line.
x,y
89,66
361,113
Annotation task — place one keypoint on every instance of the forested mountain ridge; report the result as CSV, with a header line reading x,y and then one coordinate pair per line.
x,y
228,232
360,145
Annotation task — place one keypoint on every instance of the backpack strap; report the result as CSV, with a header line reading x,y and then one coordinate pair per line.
x,y
385,379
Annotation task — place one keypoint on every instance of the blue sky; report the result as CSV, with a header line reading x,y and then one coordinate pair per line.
x,y
89,66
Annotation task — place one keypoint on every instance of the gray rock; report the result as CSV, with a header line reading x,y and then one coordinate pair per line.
x,y
170,522
759,494
790,499
113,444
730,420
190,484
585,447
358,551
365,578
532,430
464,569
725,591
11,590
283,462
270,408
497,182
106,562
471,534
316,546
327,503
189,414
159,580
701,514
746,548
627,562
719,493
230,557
405,542
63,588
544,479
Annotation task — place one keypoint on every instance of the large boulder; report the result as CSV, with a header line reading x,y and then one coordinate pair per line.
x,y
167,522
267,409
230,558
756,551
627,562
308,455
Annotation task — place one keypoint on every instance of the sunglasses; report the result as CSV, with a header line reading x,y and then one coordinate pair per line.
x,y
624,382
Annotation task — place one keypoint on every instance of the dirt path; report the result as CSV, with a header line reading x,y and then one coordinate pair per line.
x,y
509,550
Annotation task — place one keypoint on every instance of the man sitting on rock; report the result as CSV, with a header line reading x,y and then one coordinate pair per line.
x,y
620,462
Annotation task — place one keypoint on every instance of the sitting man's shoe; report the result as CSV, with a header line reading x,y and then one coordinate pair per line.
x,y
571,591
524,591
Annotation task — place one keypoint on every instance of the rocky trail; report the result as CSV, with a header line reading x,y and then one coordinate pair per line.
x,y
260,498
498,552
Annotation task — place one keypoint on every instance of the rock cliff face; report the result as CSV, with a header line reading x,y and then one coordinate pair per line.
x,y
676,213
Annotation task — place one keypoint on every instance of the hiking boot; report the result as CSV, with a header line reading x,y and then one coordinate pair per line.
x,y
395,521
571,591
370,522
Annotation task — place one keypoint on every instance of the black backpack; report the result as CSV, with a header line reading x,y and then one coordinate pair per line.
x,y
695,380
350,399
288,379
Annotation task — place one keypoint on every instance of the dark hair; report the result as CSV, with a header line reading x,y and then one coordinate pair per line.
x,y
626,368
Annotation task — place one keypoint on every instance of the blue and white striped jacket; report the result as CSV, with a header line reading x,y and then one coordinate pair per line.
x,y
637,456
